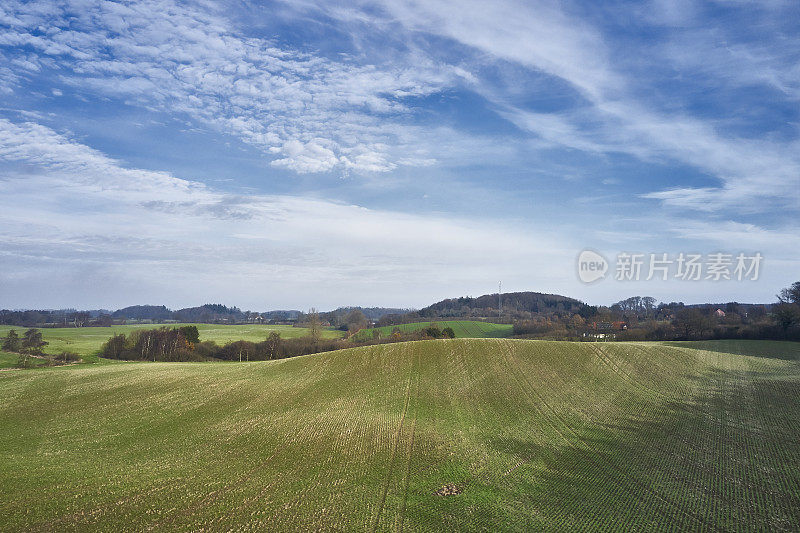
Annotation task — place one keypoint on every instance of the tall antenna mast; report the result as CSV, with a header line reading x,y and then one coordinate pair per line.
x,y
500,301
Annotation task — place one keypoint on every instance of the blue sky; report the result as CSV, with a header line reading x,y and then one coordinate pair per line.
x,y
305,153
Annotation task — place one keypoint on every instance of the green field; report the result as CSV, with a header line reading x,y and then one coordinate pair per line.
x,y
536,435
8,360
464,329
87,341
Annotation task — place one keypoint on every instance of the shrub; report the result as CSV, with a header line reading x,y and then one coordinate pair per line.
x,y
190,333
67,357
207,349
24,361
432,332
12,342
115,347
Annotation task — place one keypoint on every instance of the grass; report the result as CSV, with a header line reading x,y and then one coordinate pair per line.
x,y
86,342
9,360
463,329
537,435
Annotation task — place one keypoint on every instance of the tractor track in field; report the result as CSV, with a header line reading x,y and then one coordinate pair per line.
x,y
395,446
402,515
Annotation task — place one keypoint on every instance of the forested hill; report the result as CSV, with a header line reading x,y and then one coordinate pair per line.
x,y
203,313
515,305
209,313
143,312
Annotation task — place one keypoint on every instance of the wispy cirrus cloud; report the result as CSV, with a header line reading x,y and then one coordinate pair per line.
x,y
313,113
613,112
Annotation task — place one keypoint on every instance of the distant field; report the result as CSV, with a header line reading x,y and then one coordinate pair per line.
x,y
532,435
87,341
462,328
774,349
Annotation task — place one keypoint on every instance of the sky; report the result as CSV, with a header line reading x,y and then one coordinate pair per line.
x,y
299,154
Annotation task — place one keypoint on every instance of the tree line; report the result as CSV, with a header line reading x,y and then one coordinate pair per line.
x,y
635,318
184,344
639,318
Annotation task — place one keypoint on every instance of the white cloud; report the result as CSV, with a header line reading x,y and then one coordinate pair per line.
x,y
78,165
314,113
106,234
542,36
305,158
318,115
779,243
188,59
539,35
137,226
145,236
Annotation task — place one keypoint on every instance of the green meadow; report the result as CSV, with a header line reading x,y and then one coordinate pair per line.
x,y
462,328
86,342
9,360
437,435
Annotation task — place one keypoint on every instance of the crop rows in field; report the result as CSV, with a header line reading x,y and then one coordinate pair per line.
x,y
534,435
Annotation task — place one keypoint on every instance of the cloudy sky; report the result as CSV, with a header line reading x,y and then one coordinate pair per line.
x,y
314,153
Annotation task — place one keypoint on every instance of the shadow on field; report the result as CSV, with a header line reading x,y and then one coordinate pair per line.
x,y
498,334
726,460
785,350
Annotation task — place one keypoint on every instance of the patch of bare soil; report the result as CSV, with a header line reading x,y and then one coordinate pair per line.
x,y
449,489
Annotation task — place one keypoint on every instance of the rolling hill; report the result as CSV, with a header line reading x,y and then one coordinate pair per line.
x,y
465,434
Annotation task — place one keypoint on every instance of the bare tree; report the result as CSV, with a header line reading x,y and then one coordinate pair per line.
x,y
314,325
790,294
355,321
273,344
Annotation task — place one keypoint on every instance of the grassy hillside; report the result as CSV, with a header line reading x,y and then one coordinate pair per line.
x,y
535,435
87,341
462,328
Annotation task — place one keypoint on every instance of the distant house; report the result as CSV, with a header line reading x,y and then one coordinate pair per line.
x,y
719,313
